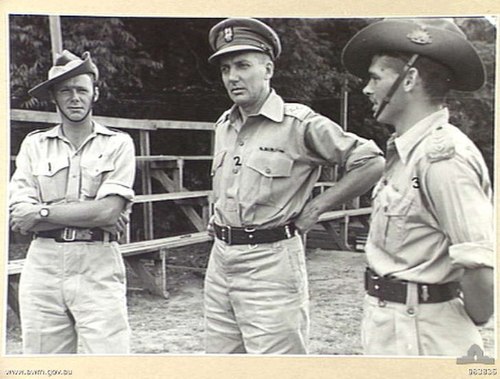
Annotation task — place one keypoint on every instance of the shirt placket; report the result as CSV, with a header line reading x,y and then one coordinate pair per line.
x,y
75,171
235,162
74,177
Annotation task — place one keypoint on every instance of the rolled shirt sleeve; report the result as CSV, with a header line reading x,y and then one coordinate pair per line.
x,y
120,180
23,187
460,195
329,144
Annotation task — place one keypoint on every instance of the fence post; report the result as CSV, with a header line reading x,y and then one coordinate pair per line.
x,y
145,149
55,36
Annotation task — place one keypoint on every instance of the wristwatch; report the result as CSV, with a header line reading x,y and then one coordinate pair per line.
x,y
44,212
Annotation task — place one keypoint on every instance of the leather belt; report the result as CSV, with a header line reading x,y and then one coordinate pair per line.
x,y
252,236
387,289
77,235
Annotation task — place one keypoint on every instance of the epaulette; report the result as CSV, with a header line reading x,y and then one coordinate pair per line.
x,y
223,118
299,111
37,131
439,145
116,130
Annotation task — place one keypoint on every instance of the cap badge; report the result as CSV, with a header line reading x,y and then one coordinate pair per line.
x,y
420,36
228,34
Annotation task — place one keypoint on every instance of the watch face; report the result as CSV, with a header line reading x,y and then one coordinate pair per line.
x,y
44,212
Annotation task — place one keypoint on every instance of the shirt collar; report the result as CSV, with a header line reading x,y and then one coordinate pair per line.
x,y
411,138
98,129
273,108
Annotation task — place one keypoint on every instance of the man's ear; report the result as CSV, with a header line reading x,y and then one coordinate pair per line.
x,y
269,69
96,94
411,79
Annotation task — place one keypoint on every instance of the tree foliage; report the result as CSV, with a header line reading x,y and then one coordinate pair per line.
x,y
157,68
122,63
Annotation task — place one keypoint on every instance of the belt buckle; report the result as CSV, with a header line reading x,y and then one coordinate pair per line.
x,y
69,234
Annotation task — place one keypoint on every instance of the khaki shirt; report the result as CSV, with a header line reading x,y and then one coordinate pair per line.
x,y
432,209
264,170
50,170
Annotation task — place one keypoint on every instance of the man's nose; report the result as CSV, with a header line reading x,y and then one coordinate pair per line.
x,y
367,90
74,94
233,75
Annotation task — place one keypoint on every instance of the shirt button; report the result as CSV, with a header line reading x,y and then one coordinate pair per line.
x,y
241,143
235,170
384,182
268,170
386,209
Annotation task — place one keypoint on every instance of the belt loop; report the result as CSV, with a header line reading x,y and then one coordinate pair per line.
x,y
106,236
229,235
411,298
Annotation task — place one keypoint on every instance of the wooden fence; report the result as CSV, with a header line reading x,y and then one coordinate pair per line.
x,y
168,170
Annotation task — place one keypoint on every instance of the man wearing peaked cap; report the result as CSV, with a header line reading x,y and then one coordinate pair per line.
x,y
243,34
72,188
430,246
267,159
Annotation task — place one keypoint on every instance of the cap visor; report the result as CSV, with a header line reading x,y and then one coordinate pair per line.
x,y
233,49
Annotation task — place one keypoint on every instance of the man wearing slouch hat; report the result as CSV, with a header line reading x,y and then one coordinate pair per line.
x,y
72,188
430,246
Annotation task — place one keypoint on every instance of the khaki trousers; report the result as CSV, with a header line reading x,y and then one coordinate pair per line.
x,y
72,294
440,329
256,298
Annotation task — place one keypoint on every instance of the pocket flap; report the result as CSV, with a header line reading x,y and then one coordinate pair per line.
x,y
51,167
96,167
398,207
272,165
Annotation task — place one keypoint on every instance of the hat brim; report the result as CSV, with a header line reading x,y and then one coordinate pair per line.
x,y
233,49
446,47
42,90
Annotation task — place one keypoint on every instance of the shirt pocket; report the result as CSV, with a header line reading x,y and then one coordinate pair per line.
x,y
396,222
52,176
266,178
93,172
216,172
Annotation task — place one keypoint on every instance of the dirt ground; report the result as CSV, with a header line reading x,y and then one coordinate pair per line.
x,y
175,325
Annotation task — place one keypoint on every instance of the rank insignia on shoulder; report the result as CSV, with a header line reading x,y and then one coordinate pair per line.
x,y
439,145
299,111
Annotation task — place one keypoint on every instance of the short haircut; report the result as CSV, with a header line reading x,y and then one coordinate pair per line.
x,y
436,77
264,58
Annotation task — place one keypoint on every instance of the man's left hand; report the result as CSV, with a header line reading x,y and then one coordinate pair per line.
x,y
307,218
23,217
